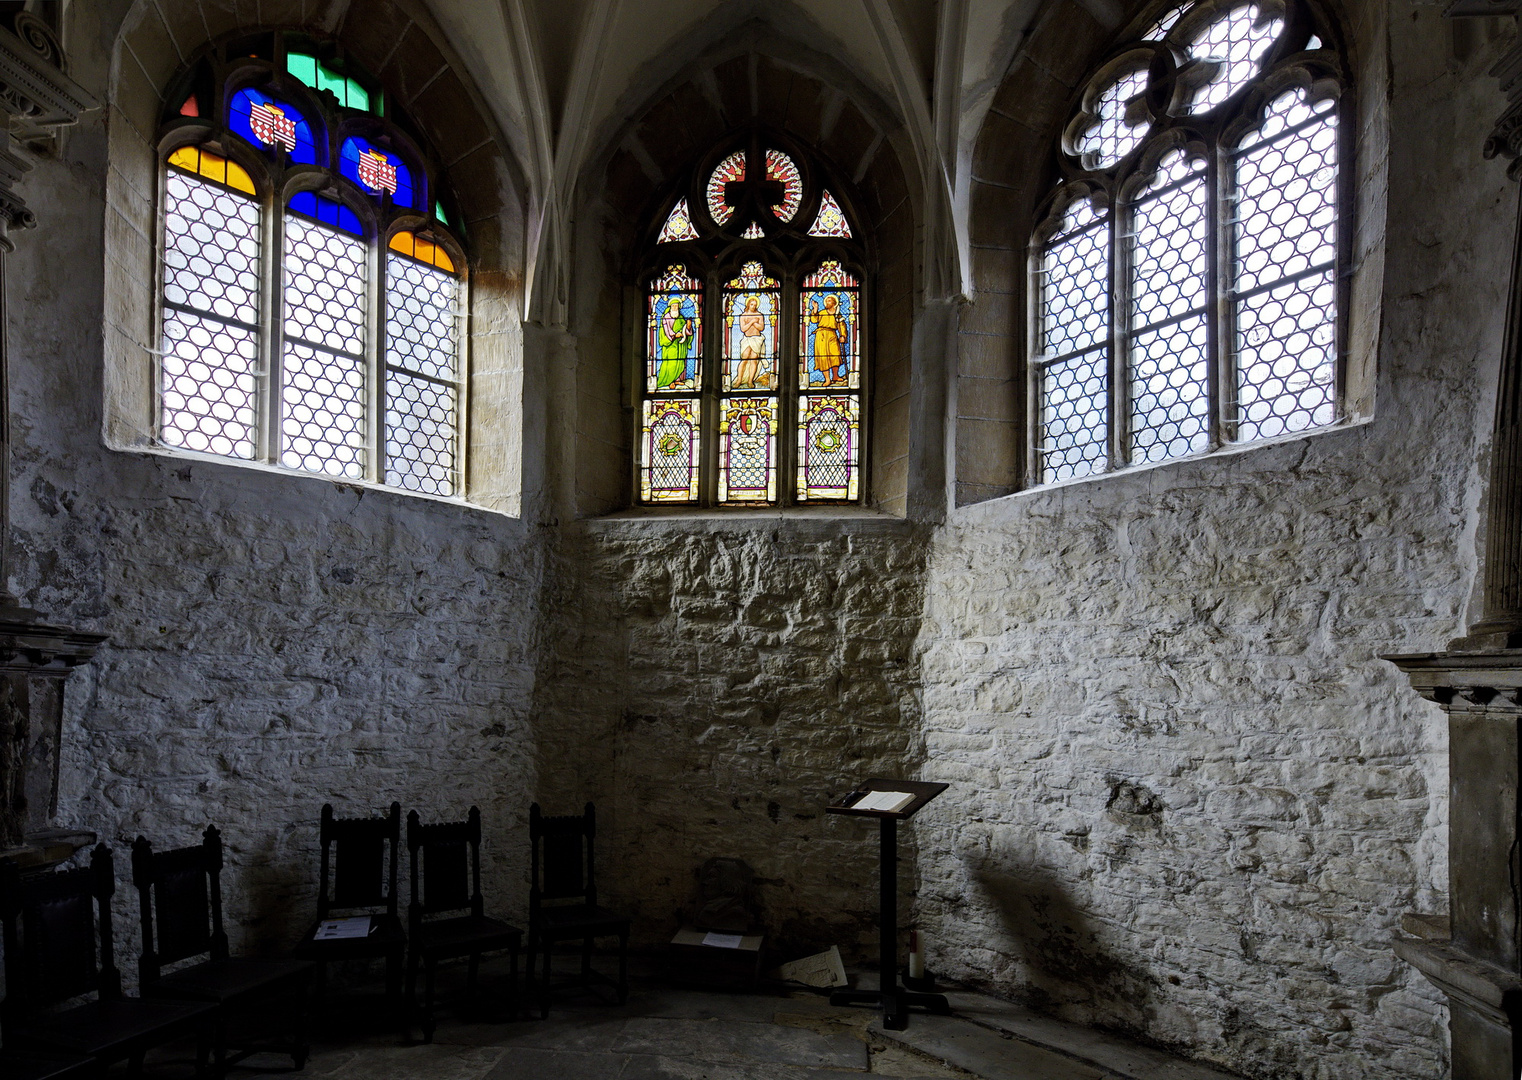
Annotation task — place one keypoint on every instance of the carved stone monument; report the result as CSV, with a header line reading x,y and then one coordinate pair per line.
x,y
36,98
1476,959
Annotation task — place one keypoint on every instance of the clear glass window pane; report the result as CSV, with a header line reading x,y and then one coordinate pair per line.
x,y
324,367
1074,416
1170,391
209,377
1286,358
422,348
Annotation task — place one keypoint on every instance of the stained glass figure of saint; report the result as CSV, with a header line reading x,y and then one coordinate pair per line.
x,y
748,450
751,303
675,334
829,335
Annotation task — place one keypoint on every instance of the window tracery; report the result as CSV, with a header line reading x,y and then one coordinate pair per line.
x,y
1186,274
310,302
767,408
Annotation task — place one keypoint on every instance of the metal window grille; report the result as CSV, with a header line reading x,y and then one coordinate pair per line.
x,y
1202,309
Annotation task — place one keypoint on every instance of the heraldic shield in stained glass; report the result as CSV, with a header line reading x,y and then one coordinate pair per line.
x,y
829,445
829,338
377,171
751,303
748,450
671,451
264,121
674,334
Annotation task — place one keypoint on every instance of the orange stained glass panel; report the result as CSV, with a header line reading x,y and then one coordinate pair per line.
x,y
209,165
411,244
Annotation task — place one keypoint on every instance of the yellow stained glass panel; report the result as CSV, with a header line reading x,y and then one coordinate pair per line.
x,y
213,167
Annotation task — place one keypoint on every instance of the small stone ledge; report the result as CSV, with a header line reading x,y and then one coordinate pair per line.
x,y
820,521
1484,987
47,848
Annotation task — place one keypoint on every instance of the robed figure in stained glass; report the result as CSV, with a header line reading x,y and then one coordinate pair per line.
x,y
674,337
831,338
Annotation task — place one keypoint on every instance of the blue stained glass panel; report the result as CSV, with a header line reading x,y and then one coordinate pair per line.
x,y
266,122
328,211
377,170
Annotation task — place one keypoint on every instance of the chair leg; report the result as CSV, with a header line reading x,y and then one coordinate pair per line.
x,y
300,1048
623,967
544,984
410,1006
512,986
586,961
219,1051
429,1023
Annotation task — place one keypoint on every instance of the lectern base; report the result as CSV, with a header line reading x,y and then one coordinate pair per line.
x,y
895,1004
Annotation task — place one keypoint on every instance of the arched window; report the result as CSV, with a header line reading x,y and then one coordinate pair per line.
x,y
1187,274
753,375
311,292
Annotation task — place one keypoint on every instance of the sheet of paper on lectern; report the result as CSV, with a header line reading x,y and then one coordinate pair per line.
x,y
339,929
715,940
889,802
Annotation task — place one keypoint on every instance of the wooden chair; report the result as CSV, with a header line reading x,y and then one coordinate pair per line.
x,y
562,870
446,876
359,875
180,894
51,923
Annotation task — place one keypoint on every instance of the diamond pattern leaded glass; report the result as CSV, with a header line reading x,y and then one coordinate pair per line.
x,y
1286,253
323,418
829,450
1168,359
1225,289
422,349
670,451
209,371
1236,42
1111,136
748,450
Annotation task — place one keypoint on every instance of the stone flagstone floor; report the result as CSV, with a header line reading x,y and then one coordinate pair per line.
x,y
673,1034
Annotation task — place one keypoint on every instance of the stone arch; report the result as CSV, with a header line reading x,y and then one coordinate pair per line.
x,y
401,46
1014,167
755,76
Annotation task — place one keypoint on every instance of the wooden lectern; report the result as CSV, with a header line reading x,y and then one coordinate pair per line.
x,y
894,999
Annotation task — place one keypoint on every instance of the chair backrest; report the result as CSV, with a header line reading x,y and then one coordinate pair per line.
x,y
52,925
359,861
561,856
446,865
179,893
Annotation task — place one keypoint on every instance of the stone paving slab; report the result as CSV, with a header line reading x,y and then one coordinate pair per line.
x,y
728,1041
986,1054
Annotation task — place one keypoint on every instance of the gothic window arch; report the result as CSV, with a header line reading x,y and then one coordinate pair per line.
x,y
1189,270
754,362
312,283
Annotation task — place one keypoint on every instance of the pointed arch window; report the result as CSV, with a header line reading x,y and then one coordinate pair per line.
x,y
767,408
1187,276
310,302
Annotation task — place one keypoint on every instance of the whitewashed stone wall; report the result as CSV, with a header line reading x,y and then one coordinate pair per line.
x,y
1189,800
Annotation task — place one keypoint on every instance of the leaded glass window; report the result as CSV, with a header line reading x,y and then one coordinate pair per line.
x,y
1186,286
321,334
766,409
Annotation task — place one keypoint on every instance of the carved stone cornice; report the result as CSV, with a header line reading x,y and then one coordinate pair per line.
x,y
36,647
1506,137
34,85
1460,680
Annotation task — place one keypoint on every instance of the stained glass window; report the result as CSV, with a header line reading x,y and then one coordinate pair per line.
x,y
349,93
674,327
831,220
1209,343
764,409
376,170
671,447
299,382
266,122
679,225
780,167
748,450
730,171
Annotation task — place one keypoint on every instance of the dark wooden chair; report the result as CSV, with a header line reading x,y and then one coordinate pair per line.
x,y
358,874
180,894
563,870
446,877
52,924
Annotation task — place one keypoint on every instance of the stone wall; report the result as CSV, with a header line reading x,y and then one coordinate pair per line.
x,y
1189,800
